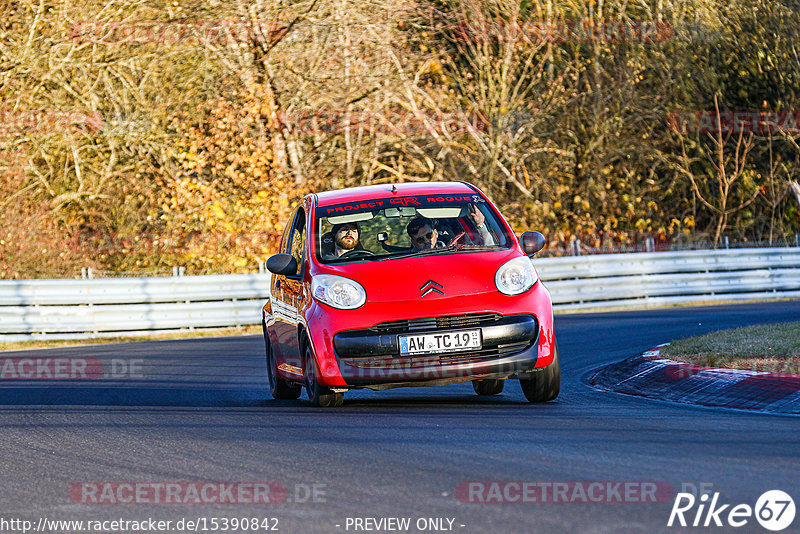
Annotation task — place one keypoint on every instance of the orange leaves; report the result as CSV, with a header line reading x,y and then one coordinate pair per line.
x,y
227,195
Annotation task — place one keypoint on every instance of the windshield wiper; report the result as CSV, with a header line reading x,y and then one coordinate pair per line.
x,y
478,247
424,252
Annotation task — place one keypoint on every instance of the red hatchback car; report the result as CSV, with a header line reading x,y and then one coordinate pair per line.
x,y
417,284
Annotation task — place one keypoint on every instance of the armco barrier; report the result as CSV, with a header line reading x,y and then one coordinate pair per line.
x,y
54,309
63,309
654,279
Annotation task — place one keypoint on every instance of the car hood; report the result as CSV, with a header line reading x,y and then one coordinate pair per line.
x,y
427,278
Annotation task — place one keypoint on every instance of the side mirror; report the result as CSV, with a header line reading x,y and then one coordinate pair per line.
x,y
284,264
532,242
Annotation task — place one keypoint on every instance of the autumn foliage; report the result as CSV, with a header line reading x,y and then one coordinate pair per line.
x,y
137,138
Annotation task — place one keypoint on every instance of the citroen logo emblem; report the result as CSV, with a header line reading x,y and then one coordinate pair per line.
x,y
431,286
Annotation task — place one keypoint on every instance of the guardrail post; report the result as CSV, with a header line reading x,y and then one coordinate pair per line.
x,y
576,247
650,244
178,271
726,241
262,267
797,240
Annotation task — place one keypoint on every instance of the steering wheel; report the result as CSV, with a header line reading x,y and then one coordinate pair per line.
x,y
355,253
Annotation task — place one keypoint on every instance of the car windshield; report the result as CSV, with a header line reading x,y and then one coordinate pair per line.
x,y
388,228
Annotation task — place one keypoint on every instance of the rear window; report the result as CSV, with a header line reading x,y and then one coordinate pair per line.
x,y
387,228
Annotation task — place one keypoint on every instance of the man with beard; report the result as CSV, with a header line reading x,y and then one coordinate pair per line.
x,y
345,239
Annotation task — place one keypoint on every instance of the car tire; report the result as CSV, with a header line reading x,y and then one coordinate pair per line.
x,y
543,384
279,388
318,394
488,387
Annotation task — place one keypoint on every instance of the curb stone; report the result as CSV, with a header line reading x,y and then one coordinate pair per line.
x,y
650,375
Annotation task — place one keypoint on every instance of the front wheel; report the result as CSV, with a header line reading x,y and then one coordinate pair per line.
x,y
488,387
318,394
543,385
279,388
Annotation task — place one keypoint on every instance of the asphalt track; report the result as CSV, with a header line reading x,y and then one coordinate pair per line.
x,y
196,410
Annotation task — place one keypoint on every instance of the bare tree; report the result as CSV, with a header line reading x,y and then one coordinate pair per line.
x,y
728,165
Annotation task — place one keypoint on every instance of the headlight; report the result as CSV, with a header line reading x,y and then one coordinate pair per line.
x,y
515,276
338,291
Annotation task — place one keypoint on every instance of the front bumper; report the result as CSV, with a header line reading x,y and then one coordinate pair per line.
x,y
372,356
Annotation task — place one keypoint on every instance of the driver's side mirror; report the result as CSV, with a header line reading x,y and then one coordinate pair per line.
x,y
532,242
284,264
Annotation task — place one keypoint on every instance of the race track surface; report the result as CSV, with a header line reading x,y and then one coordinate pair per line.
x,y
196,410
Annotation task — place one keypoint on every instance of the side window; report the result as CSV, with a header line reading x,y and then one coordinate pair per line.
x,y
297,242
287,234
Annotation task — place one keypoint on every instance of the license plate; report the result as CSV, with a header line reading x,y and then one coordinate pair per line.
x,y
440,342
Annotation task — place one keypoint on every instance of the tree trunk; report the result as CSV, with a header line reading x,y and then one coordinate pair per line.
x,y
796,188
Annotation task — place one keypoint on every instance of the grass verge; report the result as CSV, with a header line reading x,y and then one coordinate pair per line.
x,y
210,332
773,348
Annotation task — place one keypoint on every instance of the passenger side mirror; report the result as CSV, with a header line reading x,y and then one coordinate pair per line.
x,y
532,242
284,264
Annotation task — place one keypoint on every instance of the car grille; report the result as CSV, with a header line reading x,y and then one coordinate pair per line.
x,y
434,323
426,360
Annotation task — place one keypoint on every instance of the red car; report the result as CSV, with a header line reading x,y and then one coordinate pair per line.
x,y
416,284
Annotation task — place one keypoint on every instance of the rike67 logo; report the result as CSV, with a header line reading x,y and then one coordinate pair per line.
x,y
774,510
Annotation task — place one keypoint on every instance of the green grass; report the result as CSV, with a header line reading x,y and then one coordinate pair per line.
x,y
773,347
211,332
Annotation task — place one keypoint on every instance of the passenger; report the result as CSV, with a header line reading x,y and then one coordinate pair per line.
x,y
480,223
424,234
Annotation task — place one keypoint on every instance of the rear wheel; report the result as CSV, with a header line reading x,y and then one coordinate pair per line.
x,y
543,385
488,387
278,387
318,394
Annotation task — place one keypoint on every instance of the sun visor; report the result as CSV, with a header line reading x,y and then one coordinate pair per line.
x,y
350,218
442,213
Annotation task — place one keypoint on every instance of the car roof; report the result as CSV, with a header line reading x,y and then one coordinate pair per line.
x,y
355,194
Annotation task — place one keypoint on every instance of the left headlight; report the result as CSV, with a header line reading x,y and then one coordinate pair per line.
x,y
515,276
338,291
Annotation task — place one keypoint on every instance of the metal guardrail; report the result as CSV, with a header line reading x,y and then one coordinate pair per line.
x,y
53,309
64,309
662,278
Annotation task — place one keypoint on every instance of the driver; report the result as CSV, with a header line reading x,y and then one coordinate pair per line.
x,y
345,239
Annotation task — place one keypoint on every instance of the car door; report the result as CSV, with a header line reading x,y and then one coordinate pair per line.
x,y
289,294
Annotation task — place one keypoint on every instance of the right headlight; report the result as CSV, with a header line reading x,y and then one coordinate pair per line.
x,y
515,276
338,291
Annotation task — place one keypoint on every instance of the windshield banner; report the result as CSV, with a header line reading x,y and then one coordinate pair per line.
x,y
417,201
